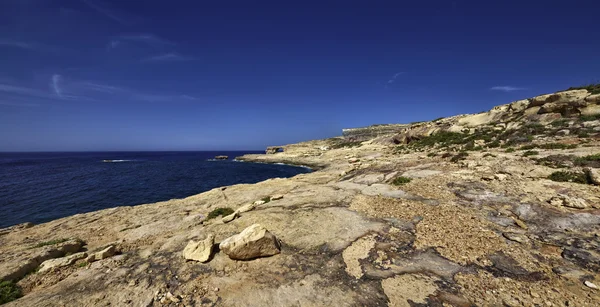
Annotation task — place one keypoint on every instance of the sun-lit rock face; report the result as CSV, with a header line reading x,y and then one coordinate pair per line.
x,y
543,108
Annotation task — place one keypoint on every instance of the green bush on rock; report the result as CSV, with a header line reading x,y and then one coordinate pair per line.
x,y
219,212
9,292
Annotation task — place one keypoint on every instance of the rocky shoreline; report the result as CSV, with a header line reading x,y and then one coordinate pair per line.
x,y
500,208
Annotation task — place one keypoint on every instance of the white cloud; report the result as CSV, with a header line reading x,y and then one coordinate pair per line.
x,y
167,57
393,78
506,88
101,8
56,80
16,44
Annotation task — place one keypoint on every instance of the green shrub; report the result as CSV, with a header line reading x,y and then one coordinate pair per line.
x,y
530,153
556,161
346,145
510,149
528,147
459,156
589,161
560,123
566,176
592,88
583,134
589,118
432,154
51,242
557,146
266,199
401,180
494,144
9,292
219,212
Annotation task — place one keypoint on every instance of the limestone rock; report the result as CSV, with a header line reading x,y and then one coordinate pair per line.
x,y
516,237
253,242
563,132
231,217
259,202
568,201
276,197
105,253
500,177
593,174
201,250
591,285
246,208
61,262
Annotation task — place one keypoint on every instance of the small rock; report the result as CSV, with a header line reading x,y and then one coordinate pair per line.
x,y
517,237
353,160
593,174
259,202
276,197
591,285
105,253
568,201
61,262
500,177
201,250
246,208
488,177
231,217
563,132
254,241
520,223
172,297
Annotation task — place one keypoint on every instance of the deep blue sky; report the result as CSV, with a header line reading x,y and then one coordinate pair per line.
x,y
201,75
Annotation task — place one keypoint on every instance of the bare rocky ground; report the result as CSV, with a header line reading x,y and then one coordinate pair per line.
x,y
468,222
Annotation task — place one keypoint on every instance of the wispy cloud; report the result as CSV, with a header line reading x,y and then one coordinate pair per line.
x,y
103,9
506,88
145,38
56,79
65,89
16,44
167,57
393,78
18,104
113,44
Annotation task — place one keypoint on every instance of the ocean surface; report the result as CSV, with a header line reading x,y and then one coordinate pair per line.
x,y
40,187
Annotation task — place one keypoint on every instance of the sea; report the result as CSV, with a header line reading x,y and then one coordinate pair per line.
x,y
40,187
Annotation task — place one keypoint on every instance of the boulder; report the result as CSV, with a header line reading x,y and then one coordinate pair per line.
x,y
61,262
568,201
201,250
105,253
231,217
593,175
246,208
253,242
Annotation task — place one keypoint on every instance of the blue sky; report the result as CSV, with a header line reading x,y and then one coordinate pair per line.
x,y
85,75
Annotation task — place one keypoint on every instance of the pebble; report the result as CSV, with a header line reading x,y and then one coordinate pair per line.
x,y
590,285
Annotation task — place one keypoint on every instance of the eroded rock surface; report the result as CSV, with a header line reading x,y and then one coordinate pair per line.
x,y
474,222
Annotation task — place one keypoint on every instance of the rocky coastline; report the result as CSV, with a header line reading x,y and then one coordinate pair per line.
x,y
500,208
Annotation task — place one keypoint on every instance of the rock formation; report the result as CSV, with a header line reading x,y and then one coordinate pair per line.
x,y
255,241
500,208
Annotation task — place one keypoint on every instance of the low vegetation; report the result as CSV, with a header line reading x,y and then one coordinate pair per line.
x,y
459,156
592,88
9,292
548,146
266,199
588,161
401,180
219,212
531,153
588,118
51,242
345,144
568,176
556,161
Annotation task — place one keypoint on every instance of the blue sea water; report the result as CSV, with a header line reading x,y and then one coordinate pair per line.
x,y
40,187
